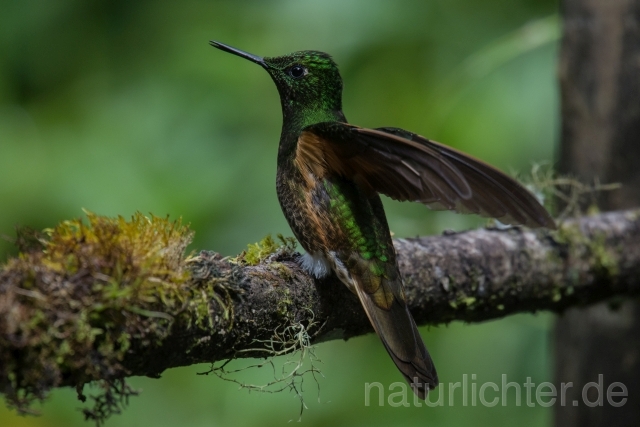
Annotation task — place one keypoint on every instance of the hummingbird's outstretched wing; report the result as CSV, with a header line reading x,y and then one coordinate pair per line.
x,y
406,166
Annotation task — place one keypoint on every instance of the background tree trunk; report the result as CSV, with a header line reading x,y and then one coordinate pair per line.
x,y
600,89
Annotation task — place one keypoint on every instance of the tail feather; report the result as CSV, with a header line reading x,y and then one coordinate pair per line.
x,y
399,334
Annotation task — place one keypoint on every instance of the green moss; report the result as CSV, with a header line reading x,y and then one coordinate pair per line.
x,y
282,270
284,303
475,276
258,252
605,262
82,293
569,234
469,301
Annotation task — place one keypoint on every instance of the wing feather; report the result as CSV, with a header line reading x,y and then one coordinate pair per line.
x,y
406,166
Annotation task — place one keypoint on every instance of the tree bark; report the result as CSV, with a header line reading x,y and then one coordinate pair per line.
x,y
600,90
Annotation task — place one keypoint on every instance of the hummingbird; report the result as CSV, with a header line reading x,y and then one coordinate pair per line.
x,y
329,177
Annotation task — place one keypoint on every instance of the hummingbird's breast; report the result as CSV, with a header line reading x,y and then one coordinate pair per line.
x,y
306,206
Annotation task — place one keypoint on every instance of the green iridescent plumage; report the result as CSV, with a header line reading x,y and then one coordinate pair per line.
x,y
328,180
324,85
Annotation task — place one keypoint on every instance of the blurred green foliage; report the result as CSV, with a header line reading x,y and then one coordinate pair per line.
x,y
118,107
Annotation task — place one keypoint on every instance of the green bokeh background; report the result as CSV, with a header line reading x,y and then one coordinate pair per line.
x,y
118,107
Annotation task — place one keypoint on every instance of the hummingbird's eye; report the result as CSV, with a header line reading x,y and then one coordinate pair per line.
x,y
297,71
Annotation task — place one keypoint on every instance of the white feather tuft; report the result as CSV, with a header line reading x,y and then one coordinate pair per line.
x,y
316,265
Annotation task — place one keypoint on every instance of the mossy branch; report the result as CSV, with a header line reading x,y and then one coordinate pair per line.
x,y
115,298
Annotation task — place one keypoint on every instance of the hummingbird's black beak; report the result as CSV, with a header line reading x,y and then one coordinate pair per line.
x,y
240,53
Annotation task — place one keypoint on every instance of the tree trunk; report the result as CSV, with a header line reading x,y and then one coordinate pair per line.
x,y
600,89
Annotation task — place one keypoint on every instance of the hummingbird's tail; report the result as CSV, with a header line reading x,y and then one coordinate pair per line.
x,y
399,334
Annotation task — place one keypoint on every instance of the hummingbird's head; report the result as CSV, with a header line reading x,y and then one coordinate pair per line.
x,y
308,81
306,77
